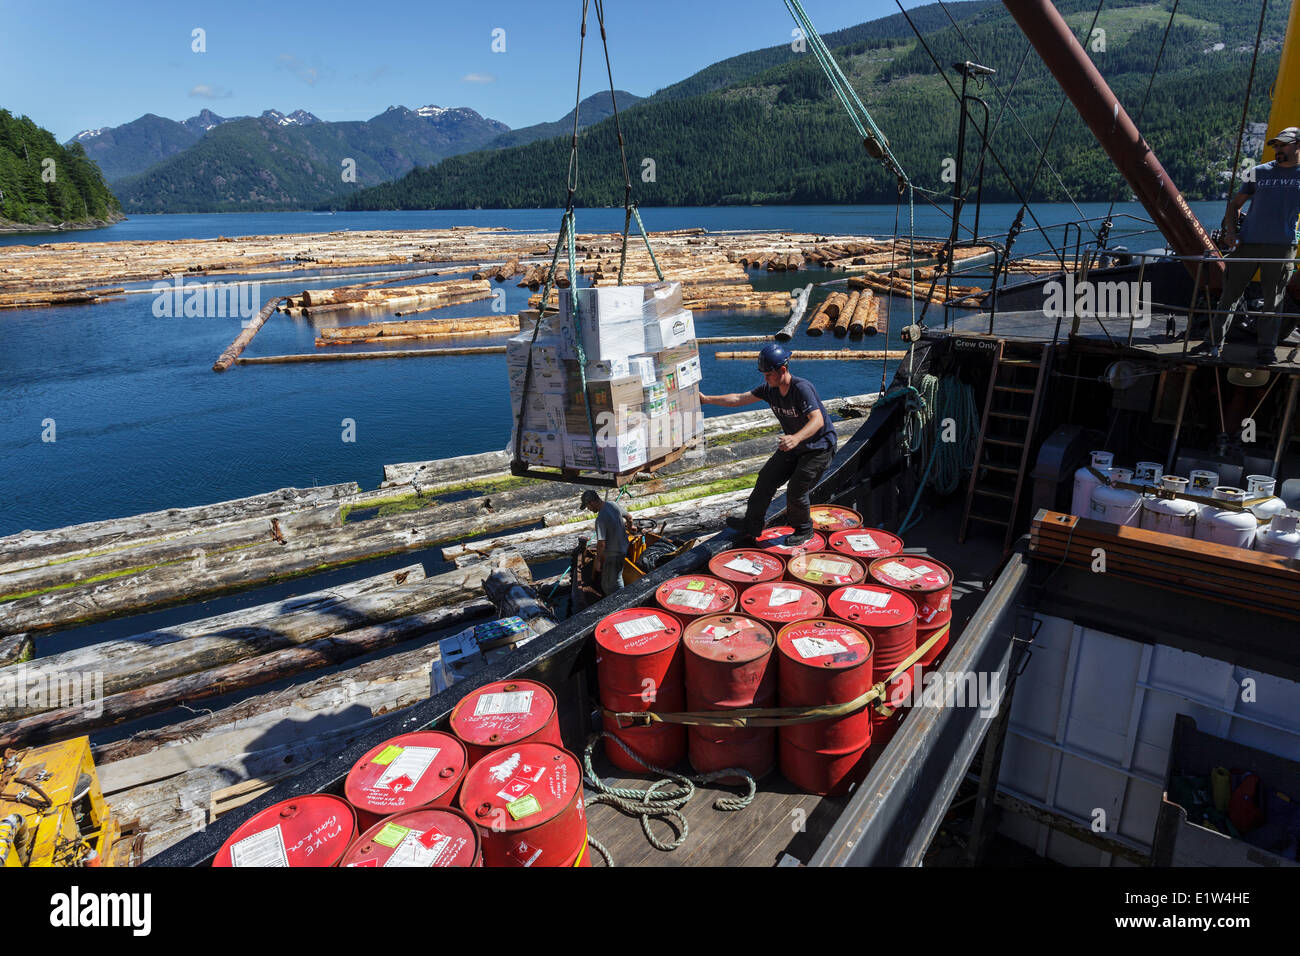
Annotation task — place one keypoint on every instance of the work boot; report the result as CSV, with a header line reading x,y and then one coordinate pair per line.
x,y
1266,355
797,539
744,537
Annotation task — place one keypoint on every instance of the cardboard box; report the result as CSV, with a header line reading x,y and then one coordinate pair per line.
x,y
615,453
614,394
673,357
643,365
669,331
608,320
689,373
542,448
663,299
602,370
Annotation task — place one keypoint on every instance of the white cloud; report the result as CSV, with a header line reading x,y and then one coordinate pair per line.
x,y
478,78
308,74
207,92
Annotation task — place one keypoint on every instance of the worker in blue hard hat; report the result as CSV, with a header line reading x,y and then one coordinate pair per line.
x,y
802,452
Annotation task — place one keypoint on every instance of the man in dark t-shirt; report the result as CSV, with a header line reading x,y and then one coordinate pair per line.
x,y
802,453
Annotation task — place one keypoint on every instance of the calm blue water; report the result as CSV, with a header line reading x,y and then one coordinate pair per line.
x,y
142,423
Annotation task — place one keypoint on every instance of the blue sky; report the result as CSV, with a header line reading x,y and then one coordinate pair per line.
x,y
80,65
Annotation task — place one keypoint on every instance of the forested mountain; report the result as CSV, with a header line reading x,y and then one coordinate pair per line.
x,y
43,182
133,147
765,127
590,111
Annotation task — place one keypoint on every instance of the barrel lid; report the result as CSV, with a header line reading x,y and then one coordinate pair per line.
x,y
827,568
747,566
773,539
520,787
695,594
432,836
911,572
824,643
732,638
311,830
502,712
865,543
782,601
834,518
870,605
406,771
638,630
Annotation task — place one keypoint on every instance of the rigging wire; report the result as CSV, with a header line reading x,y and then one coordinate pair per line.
x,y
1250,85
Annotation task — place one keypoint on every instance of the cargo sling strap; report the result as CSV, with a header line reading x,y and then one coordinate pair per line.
x,y
567,237
781,716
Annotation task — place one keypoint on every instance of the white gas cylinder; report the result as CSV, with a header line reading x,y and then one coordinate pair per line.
x,y
1117,505
1085,481
1281,536
1172,515
1231,526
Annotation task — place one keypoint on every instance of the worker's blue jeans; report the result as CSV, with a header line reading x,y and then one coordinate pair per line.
x,y
611,576
802,471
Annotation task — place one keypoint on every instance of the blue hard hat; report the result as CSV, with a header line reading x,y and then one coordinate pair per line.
x,y
773,357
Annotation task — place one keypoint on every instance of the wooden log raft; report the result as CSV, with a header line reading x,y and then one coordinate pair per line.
x,y
378,332
826,313
846,315
233,350
866,318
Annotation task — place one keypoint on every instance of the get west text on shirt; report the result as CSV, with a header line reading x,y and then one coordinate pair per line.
x,y
1274,205
793,409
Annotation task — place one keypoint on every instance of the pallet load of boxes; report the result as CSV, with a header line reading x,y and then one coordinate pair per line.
x,y
642,374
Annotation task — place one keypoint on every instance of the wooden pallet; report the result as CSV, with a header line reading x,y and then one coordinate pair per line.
x,y
1251,580
596,479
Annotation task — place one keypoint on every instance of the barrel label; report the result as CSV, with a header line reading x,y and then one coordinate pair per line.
x,y
694,599
387,755
816,647
862,542
901,572
695,585
420,848
524,807
405,771
265,848
744,566
391,835
869,598
718,632
650,624
827,566
782,596
493,705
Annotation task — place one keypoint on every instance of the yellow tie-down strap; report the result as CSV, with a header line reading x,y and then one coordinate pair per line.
x,y
779,716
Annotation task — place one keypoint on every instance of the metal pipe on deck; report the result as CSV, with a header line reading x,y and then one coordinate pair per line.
x,y
1080,80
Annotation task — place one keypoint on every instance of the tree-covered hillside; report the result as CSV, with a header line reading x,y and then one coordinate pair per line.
x,y
43,182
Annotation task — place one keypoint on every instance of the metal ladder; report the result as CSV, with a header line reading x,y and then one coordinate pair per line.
x,y
1011,409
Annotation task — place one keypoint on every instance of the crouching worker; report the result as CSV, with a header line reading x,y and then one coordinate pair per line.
x,y
611,540
802,453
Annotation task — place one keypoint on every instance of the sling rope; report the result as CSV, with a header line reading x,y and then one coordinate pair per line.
x,y
1250,83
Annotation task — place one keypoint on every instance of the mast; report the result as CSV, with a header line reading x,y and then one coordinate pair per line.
x,y
1055,42
1286,88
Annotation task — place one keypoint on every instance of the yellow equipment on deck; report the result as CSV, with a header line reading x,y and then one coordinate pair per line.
x,y
52,810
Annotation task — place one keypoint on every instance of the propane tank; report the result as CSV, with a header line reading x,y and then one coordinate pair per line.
x,y
1148,474
1202,485
1281,536
1085,481
1117,505
1173,515
1262,486
1227,525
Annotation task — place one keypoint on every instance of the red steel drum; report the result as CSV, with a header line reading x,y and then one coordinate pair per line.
x,y
830,518
773,540
504,713
695,595
430,836
747,567
923,634
421,769
826,570
728,666
782,602
926,581
526,801
311,830
865,543
639,668
824,662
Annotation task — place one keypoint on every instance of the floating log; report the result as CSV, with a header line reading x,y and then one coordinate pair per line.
x,y
723,339
232,352
797,310
15,649
827,313
865,310
417,329
844,354
379,354
846,315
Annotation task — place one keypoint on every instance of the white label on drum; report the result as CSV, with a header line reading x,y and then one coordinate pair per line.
x,y
492,705
829,566
780,596
696,599
816,647
899,571
870,598
642,625
265,848
744,566
718,632
411,763
413,851
923,569
862,542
